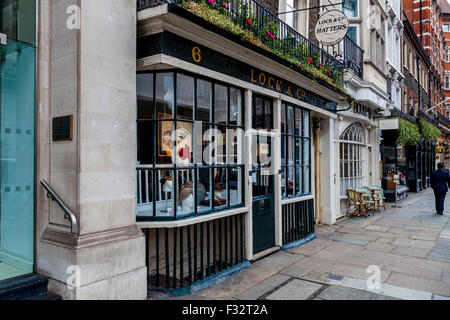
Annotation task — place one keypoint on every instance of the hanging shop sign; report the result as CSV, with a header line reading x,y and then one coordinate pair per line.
x,y
183,49
331,27
389,124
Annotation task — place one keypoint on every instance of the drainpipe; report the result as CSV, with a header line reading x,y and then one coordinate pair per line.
x,y
318,176
418,82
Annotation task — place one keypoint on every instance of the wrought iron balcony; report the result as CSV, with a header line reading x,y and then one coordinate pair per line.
x,y
427,117
443,120
353,57
275,35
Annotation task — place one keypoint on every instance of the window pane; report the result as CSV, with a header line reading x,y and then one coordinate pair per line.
x,y
268,121
290,120
298,180
291,153
306,124
204,100
164,95
236,182
351,8
235,145
164,194
203,190
144,88
307,180
220,145
283,118
221,104
291,181
165,145
236,106
283,150
298,122
298,149
185,97
283,182
306,152
186,193
145,142
258,116
220,188
184,149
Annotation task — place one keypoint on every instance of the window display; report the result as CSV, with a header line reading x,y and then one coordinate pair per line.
x,y
197,168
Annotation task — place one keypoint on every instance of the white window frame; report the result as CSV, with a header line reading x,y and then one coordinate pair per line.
x,y
352,167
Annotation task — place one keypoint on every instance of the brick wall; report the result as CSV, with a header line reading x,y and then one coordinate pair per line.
x,y
271,5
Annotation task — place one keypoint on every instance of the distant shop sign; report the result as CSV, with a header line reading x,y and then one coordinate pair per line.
x,y
389,124
331,27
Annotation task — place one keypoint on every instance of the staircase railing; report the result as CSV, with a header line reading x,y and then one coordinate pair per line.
x,y
69,215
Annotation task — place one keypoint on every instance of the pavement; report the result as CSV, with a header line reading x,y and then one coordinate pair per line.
x,y
402,253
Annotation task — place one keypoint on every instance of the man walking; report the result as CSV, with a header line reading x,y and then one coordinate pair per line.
x,y
440,180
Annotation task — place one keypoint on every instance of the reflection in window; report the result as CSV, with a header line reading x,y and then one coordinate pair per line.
x,y
198,168
295,151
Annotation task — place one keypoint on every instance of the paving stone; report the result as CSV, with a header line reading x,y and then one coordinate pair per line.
x,y
263,287
312,263
441,250
409,251
381,247
351,241
417,283
367,258
345,293
446,277
311,247
387,235
279,260
358,272
422,237
295,271
336,251
385,240
414,243
377,228
295,290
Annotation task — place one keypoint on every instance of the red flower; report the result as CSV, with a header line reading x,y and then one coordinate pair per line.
x,y
249,22
310,60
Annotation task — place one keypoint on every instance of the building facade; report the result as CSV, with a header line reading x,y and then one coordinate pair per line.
x,y
166,144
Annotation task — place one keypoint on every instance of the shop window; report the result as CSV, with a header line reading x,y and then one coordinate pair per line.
x,y
295,151
197,168
351,158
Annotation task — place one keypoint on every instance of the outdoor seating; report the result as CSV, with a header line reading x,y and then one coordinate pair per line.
x,y
379,197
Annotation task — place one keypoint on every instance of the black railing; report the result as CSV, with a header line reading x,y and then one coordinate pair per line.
x,y
180,257
353,57
298,221
425,116
403,115
269,31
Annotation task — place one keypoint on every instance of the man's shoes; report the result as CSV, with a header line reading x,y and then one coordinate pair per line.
x,y
440,213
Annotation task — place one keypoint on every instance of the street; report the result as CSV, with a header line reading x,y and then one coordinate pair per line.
x,y
410,245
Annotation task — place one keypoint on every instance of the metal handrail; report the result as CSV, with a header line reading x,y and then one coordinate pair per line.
x,y
69,215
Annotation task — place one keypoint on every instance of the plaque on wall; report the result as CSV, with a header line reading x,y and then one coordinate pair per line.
x,y
63,128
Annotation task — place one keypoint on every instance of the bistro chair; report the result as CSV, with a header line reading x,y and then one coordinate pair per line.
x,y
379,197
354,200
367,201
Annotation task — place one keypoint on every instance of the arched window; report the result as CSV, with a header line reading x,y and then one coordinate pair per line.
x,y
351,158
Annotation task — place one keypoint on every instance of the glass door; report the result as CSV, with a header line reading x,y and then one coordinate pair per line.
x,y
262,176
17,105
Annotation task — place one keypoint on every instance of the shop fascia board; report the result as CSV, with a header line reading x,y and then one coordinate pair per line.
x,y
162,61
165,21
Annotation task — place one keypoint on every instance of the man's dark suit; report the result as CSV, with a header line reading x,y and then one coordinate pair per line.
x,y
440,180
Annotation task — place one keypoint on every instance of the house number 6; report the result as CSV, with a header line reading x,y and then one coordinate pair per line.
x,y
197,54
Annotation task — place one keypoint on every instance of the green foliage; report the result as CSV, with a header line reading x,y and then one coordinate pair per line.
x,y
293,51
429,131
408,133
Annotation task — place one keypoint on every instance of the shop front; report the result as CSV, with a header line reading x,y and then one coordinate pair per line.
x,y
225,171
17,132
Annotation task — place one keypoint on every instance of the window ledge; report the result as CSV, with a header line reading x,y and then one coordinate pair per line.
x,y
191,221
296,199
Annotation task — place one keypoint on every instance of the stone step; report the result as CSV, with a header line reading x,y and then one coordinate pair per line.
x,y
32,287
